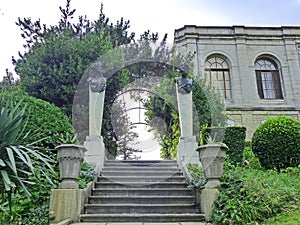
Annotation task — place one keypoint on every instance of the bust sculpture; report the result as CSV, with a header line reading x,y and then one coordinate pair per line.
x,y
97,84
97,81
185,85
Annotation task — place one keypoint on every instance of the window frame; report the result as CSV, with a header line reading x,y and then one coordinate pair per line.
x,y
226,91
262,85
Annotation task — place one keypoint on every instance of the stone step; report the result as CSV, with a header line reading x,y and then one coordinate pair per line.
x,y
142,191
138,184
141,208
142,161
141,200
141,173
150,179
141,168
133,218
139,164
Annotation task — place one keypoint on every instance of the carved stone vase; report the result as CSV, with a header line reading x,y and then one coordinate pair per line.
x,y
212,157
70,158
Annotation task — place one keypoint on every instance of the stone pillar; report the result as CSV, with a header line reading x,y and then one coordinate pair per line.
x,y
96,105
185,108
94,144
187,144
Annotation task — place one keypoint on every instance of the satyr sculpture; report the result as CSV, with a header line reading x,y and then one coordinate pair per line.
x,y
185,85
96,80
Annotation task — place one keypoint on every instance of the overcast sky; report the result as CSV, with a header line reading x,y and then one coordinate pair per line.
x,y
162,16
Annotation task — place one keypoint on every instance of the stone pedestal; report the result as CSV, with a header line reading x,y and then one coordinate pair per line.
x,y
186,152
66,204
207,199
95,154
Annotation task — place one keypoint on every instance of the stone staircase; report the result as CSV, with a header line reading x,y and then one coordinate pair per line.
x,y
141,191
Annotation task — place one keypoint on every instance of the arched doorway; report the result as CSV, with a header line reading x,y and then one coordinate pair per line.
x,y
132,70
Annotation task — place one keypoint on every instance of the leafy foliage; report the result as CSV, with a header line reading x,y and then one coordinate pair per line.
x,y
208,109
87,174
8,83
235,141
36,209
43,120
197,176
276,143
33,210
19,165
56,57
114,130
233,137
250,159
163,117
249,196
212,135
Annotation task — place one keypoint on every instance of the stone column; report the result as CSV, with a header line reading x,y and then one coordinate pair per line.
x,y
94,144
96,105
185,108
187,145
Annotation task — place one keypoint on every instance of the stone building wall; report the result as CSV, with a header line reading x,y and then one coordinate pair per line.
x,y
241,46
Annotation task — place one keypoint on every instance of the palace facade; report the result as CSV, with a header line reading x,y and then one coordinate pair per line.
x,y
255,69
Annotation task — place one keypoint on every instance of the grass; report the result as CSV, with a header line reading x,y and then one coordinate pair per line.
x,y
257,196
289,218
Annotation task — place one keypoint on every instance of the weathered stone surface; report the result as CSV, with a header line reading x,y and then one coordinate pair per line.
x,y
70,158
207,199
241,46
65,204
156,192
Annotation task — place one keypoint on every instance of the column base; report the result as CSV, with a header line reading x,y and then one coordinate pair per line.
x,y
95,154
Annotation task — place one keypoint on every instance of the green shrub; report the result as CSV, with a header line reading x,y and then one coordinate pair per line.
x,y
213,134
250,196
235,141
276,143
27,175
233,137
44,120
35,210
197,179
248,144
87,174
250,159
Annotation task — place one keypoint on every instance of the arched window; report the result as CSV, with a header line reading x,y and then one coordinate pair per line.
x,y
217,71
268,79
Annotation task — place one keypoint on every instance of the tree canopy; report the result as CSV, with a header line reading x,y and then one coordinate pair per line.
x,y
56,57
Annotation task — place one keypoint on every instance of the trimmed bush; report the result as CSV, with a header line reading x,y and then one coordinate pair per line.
x,y
44,120
233,137
212,134
276,143
235,140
